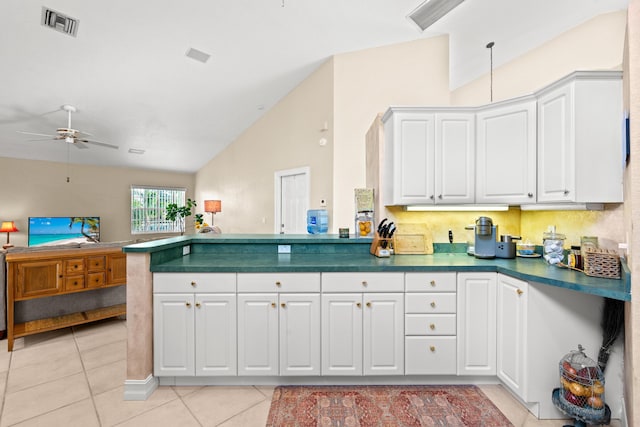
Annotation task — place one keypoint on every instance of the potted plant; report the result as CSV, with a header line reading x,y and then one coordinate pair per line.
x,y
179,213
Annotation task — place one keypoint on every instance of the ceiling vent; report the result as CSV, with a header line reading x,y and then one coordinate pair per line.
x,y
59,22
198,55
429,12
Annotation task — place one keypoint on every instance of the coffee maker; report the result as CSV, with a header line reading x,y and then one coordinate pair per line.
x,y
485,234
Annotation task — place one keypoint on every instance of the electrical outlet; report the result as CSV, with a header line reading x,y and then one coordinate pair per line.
x,y
284,249
186,250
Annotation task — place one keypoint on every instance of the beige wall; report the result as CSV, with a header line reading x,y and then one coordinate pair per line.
x,y
286,137
37,188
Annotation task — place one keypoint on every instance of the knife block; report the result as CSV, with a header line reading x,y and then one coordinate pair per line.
x,y
380,246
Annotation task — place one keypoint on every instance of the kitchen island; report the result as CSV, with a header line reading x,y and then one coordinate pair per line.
x,y
472,298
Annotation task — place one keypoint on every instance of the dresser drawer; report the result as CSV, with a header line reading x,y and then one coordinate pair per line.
x,y
430,282
95,280
73,266
430,324
73,283
96,263
194,282
279,282
430,303
362,282
430,355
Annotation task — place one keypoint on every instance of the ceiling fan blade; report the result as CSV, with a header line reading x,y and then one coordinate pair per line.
x,y
102,144
36,134
78,144
34,140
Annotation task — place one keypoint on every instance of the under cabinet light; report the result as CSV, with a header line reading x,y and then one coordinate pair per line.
x,y
564,207
455,208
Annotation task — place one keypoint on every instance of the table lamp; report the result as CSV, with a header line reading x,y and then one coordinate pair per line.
x,y
212,206
8,227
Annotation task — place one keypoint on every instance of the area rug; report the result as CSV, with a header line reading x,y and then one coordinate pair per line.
x,y
383,406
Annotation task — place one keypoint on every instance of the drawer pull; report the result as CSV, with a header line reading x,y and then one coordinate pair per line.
x,y
520,292
188,304
198,304
193,284
433,304
368,304
432,283
278,283
432,326
273,304
432,348
283,305
358,305
364,283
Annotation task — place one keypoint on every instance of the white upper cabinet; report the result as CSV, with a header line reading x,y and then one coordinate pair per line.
x,y
580,145
429,156
506,152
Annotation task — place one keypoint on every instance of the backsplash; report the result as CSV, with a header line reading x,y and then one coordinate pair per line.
x,y
607,225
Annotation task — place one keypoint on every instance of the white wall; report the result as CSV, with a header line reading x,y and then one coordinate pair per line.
x,y
37,188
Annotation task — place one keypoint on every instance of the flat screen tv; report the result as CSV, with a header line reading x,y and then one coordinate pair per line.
x,y
44,231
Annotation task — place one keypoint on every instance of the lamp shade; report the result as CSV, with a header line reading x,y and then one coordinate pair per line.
x,y
8,227
213,206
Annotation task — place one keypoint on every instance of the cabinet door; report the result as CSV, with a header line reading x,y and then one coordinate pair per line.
x,y
117,269
38,278
341,334
476,324
258,334
215,317
299,334
411,139
506,152
512,333
383,334
173,339
556,161
455,158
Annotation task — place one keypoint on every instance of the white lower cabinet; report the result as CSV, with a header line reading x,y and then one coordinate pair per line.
x,y
476,329
279,331
194,332
362,324
430,323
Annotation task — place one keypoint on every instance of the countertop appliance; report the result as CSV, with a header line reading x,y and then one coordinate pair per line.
x,y
506,247
485,238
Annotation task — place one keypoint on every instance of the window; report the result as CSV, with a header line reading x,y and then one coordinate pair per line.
x,y
148,208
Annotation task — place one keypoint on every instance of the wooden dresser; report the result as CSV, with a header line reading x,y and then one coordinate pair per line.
x,y
47,274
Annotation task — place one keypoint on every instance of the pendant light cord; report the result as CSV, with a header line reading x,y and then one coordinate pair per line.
x,y
490,47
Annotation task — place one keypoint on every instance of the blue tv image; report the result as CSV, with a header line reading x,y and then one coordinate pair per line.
x,y
44,231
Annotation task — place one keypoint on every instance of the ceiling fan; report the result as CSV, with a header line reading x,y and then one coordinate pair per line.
x,y
70,135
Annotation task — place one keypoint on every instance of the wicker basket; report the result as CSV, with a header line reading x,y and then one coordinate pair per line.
x,y
601,263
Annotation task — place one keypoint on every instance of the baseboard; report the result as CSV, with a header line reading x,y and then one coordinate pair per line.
x,y
623,414
140,389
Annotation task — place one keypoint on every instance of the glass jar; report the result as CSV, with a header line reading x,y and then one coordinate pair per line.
x,y
575,258
364,224
553,247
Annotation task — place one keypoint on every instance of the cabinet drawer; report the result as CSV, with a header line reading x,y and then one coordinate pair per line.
x,y
194,282
73,283
74,266
430,324
362,282
430,282
430,355
279,282
95,280
430,303
96,263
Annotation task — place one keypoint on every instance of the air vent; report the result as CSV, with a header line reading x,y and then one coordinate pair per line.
x,y
198,55
59,22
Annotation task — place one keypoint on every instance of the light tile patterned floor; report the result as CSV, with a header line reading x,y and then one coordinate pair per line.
x,y
75,377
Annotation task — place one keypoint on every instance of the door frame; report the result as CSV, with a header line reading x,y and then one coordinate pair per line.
x,y
304,170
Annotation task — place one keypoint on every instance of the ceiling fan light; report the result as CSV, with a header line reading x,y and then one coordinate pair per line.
x,y
431,11
69,139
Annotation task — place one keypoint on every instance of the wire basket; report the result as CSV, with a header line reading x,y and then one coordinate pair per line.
x,y
601,263
581,386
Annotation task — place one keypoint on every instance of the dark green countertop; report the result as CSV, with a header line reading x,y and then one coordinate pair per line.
x,y
239,256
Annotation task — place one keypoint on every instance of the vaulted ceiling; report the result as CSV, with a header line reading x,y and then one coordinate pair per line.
x,y
127,73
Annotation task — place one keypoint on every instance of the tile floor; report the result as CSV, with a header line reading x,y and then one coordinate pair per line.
x,y
75,377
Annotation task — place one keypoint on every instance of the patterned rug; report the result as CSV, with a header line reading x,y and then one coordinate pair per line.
x,y
383,406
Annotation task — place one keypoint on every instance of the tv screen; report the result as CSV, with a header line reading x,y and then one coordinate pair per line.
x,y
49,230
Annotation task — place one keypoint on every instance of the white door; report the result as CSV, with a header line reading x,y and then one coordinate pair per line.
x,y
455,158
383,334
476,324
292,201
342,334
300,334
173,344
512,333
258,334
215,316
